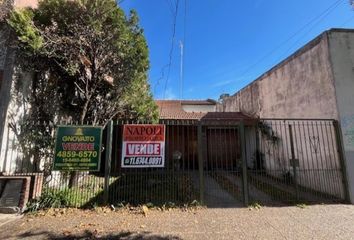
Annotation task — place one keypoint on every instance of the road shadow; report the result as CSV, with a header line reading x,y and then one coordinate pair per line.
x,y
88,234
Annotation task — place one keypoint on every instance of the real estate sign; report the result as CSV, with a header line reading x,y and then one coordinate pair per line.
x,y
143,146
78,148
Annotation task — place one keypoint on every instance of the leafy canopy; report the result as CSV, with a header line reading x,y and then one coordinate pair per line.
x,y
90,55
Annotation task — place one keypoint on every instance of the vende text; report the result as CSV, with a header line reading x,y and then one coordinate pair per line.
x,y
151,149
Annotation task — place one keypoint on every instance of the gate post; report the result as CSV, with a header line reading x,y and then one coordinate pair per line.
x,y
244,162
201,162
107,170
294,162
343,165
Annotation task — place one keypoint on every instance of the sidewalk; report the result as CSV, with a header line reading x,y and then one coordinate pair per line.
x,y
306,222
8,218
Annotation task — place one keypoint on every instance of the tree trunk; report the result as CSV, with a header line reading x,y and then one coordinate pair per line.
x,y
74,175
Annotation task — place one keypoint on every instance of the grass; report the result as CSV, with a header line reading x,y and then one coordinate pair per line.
x,y
157,189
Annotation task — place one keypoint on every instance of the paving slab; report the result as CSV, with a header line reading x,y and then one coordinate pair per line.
x,y
8,218
323,222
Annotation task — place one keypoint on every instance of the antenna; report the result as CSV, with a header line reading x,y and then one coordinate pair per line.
x,y
181,70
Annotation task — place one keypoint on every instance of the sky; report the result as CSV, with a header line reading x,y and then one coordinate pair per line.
x,y
227,43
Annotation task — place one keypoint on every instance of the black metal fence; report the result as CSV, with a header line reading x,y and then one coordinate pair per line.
x,y
293,161
176,183
220,164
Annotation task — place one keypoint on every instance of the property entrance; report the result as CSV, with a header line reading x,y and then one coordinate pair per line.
x,y
230,163
223,166
220,162
295,160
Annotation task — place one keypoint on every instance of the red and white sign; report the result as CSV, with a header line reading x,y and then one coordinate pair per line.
x,y
143,146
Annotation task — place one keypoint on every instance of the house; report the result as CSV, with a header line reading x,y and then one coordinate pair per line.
x,y
316,82
10,110
220,133
185,109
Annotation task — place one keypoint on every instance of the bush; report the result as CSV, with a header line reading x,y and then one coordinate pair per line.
x,y
49,199
68,197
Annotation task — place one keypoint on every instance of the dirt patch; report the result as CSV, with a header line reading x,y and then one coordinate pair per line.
x,y
305,222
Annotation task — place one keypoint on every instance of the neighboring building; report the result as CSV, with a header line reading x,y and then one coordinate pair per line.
x,y
185,109
9,109
220,136
315,82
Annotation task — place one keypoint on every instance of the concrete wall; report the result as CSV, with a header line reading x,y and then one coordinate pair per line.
x,y
5,97
342,57
10,108
299,87
303,86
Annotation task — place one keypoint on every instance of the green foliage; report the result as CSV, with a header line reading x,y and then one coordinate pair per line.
x,y
49,199
255,205
141,105
268,132
28,34
68,197
301,205
146,188
94,56
88,62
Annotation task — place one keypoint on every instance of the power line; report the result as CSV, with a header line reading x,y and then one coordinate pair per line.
x,y
289,39
172,47
182,45
346,21
320,19
181,70
168,66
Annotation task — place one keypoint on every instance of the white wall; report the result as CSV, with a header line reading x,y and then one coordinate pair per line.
x,y
299,87
199,108
342,58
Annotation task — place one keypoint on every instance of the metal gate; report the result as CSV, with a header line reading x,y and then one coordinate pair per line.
x,y
220,164
175,184
295,161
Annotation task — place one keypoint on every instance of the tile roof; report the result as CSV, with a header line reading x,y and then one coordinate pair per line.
x,y
173,110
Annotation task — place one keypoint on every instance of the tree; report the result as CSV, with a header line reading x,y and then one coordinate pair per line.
x,y
89,51
87,60
5,7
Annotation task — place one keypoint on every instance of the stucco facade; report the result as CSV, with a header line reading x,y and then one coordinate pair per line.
x,y
341,46
9,108
299,87
316,82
